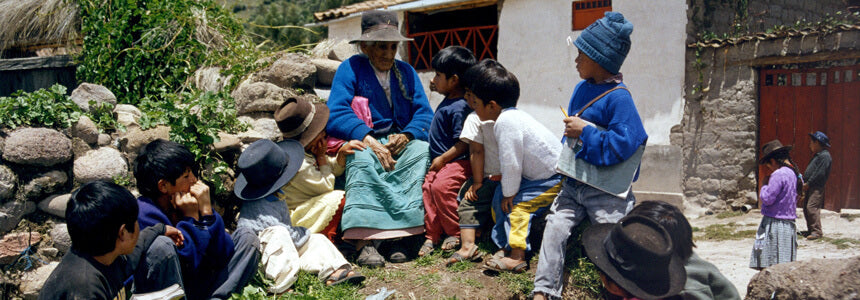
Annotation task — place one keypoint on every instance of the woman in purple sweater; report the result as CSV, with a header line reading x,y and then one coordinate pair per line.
x,y
776,238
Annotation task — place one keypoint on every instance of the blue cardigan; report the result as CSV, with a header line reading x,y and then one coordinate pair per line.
x,y
617,113
355,77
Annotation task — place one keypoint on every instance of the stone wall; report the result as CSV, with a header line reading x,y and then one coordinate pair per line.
x,y
719,16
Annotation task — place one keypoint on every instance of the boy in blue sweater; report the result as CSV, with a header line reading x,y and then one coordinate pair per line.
x,y
602,49
214,264
449,165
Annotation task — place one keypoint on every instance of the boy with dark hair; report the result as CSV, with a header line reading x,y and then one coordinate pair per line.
x,y
602,46
449,166
704,280
214,264
815,178
529,182
107,245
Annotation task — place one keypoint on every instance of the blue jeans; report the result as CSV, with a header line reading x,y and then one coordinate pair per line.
x,y
574,202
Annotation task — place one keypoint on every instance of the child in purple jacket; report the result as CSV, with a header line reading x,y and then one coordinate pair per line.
x,y
776,238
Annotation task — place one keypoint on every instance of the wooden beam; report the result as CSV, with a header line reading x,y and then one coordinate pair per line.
x,y
29,63
797,59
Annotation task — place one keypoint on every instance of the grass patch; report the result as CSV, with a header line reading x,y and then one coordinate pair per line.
x,y
469,281
723,232
521,283
430,259
461,266
307,286
850,217
841,243
386,275
729,214
429,282
585,276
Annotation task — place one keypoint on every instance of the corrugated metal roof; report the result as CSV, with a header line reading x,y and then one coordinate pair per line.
x,y
828,29
343,11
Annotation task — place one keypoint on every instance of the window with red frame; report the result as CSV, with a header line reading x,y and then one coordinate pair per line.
x,y
586,12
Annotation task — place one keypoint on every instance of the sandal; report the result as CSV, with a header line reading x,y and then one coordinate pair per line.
x,y
344,276
426,248
497,265
450,243
474,255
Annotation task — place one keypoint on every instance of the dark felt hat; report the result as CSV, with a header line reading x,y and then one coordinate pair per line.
x,y
636,253
264,167
301,120
380,25
772,149
821,138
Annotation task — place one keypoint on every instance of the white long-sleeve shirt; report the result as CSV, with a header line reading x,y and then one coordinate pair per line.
x,y
527,149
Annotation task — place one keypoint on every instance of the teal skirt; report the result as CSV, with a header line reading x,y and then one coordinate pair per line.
x,y
381,199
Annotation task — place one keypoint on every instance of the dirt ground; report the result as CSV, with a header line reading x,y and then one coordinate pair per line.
x,y
732,256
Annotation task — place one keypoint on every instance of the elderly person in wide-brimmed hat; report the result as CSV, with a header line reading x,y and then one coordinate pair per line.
x,y
383,182
775,240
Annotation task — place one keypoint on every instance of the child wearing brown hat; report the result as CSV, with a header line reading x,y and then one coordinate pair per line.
x,y
310,195
776,238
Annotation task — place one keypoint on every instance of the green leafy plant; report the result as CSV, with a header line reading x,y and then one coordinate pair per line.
x,y
49,108
102,114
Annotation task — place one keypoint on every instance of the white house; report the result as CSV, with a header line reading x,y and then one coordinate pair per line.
x,y
532,38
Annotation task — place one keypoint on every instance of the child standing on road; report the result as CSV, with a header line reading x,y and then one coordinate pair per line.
x,y
776,238
603,46
449,167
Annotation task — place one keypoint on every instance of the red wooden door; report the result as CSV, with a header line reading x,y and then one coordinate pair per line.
x,y
793,103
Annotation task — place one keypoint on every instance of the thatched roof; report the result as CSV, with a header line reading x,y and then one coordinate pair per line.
x,y
28,23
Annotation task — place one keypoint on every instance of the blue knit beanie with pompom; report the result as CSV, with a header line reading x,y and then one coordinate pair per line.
x,y
607,41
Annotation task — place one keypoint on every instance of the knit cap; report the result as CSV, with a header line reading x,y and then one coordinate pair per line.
x,y
607,41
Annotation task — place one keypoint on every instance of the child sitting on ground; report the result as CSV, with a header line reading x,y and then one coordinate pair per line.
x,y
635,258
265,167
107,247
529,150
704,280
602,46
449,167
311,197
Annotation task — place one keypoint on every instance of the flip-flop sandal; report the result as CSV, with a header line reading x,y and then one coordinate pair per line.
x,y
496,265
344,276
426,248
474,255
450,243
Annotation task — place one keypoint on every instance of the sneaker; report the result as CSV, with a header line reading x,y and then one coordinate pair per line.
x,y
369,257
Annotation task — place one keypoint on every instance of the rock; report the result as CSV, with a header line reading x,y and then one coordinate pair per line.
x,y
227,142
2,142
259,97
14,243
38,147
209,79
49,252
103,163
127,115
60,236
127,109
342,50
808,279
86,130
80,147
135,138
45,184
12,212
88,91
325,70
8,180
32,282
104,139
263,128
292,70
55,205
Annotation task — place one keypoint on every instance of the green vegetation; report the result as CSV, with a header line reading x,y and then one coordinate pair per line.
x,y
49,108
729,214
522,283
722,232
307,286
277,24
841,243
586,277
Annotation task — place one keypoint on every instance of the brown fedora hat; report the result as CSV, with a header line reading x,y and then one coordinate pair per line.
x,y
771,149
301,120
379,25
637,254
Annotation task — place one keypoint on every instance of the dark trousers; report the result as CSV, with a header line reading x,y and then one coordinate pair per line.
x,y
242,265
159,269
812,210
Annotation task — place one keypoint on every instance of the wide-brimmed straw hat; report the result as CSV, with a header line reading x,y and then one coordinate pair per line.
x,y
264,167
771,149
301,120
379,25
637,254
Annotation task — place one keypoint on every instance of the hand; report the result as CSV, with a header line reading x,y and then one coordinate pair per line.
x,y
472,193
200,191
382,153
186,204
507,204
397,142
437,164
348,148
805,187
175,235
318,149
573,126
